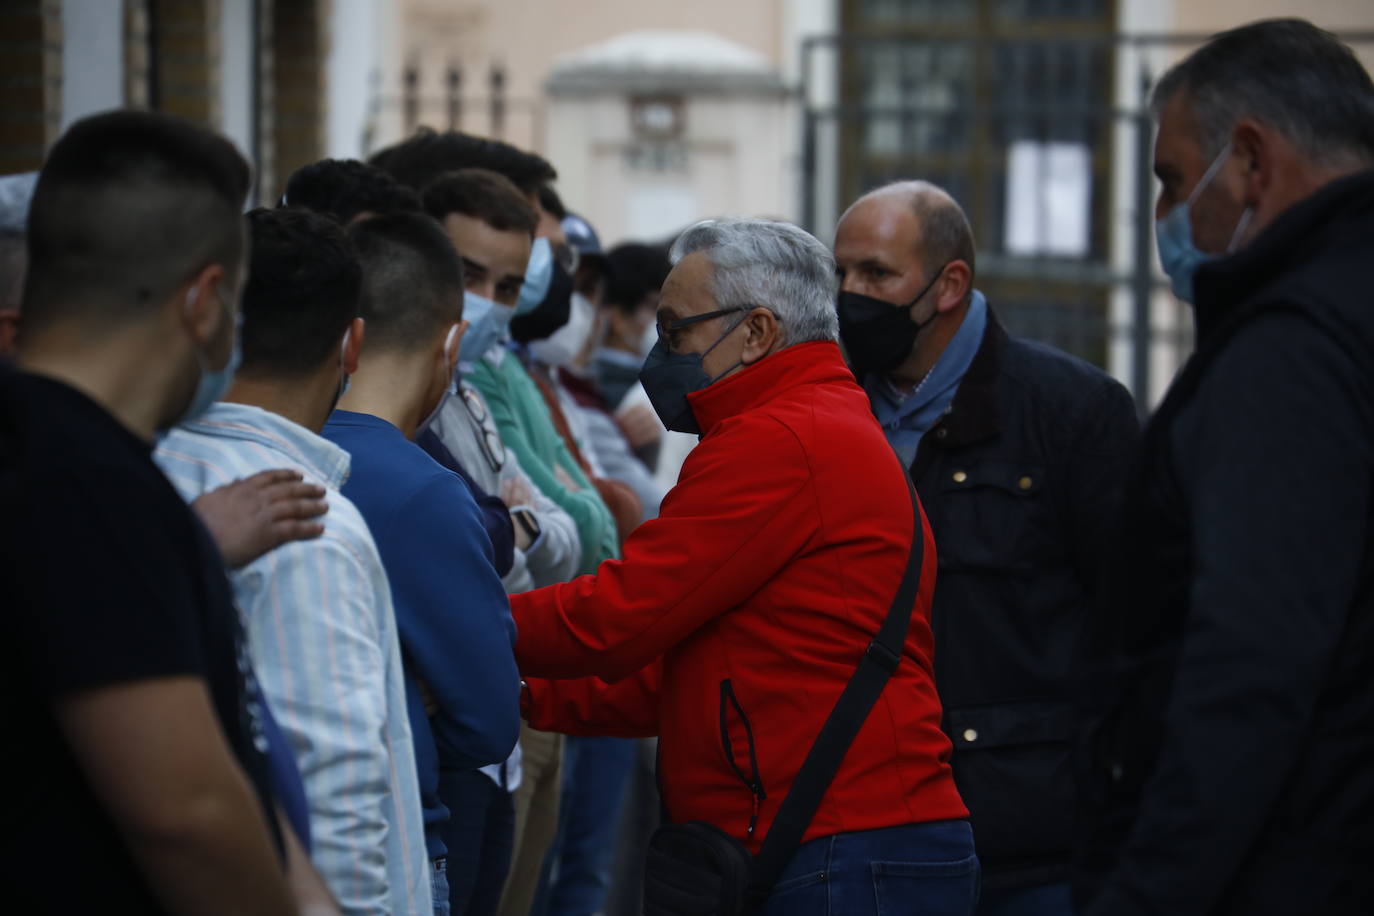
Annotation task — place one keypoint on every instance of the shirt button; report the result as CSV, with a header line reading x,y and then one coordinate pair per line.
x,y
941,433
960,477
970,735
1025,483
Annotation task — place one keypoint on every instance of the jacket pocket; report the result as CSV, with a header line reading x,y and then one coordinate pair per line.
x,y
1013,764
737,740
987,515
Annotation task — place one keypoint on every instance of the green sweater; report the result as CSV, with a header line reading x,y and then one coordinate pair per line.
x,y
523,418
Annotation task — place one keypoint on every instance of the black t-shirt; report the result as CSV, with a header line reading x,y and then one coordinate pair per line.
x,y
108,578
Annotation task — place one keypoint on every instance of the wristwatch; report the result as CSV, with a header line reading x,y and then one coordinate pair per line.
x,y
528,522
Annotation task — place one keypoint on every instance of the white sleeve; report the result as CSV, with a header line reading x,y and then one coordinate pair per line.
x,y
320,658
554,557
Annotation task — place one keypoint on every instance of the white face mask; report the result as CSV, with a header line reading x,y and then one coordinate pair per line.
x,y
561,348
647,340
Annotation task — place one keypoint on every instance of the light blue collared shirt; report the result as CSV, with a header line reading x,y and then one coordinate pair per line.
x,y
905,418
323,637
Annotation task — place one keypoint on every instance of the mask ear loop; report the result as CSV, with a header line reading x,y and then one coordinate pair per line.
x,y
1211,173
453,376
733,328
930,284
344,378
202,360
1240,229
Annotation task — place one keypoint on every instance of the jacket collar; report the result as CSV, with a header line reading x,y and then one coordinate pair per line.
x,y
812,363
973,414
1292,238
244,422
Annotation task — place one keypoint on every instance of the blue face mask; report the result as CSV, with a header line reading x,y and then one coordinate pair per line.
x,y
214,383
487,324
1179,257
538,276
669,377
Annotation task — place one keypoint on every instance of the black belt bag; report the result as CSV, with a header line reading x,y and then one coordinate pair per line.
x,y
697,869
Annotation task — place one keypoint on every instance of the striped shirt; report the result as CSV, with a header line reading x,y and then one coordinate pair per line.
x,y
323,637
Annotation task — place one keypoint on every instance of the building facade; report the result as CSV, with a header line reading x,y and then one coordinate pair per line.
x,y
252,69
1033,113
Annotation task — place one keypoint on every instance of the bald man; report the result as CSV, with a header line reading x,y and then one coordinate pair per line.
x,y
1017,451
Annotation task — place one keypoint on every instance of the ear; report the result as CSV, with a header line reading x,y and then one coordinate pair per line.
x,y
953,286
353,345
761,335
1253,144
200,305
454,340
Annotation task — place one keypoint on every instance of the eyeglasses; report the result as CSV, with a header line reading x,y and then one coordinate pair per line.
x,y
493,449
666,330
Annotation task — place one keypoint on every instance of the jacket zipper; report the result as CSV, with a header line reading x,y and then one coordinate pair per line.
x,y
753,782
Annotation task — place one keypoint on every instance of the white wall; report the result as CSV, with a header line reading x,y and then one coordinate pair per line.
x,y
800,19
236,40
1136,17
357,32
92,57
730,157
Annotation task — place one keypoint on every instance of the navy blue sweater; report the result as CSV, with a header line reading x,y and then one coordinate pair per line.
x,y
457,635
495,514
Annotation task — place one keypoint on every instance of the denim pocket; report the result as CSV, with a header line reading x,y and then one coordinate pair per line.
x,y
926,888
439,887
804,895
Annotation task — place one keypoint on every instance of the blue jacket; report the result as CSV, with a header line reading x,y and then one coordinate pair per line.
x,y
495,514
457,635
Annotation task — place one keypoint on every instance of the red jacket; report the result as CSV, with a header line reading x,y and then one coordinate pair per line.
x,y
739,614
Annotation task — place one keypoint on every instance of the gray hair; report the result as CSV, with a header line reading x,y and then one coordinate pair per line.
x,y
770,264
1287,73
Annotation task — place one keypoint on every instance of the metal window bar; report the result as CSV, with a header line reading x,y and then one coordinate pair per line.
x,y
949,106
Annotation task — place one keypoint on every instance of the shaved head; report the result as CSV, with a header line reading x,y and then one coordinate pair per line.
x,y
943,232
909,245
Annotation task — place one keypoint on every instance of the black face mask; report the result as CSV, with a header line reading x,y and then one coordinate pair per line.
x,y
550,314
669,377
878,335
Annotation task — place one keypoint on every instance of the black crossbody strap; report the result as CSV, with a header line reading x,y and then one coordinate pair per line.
x,y
876,667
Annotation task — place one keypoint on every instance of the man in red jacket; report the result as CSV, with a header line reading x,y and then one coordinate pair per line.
x,y
738,616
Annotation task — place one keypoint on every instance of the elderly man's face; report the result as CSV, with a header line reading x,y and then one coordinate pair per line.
x,y
877,250
686,293
1180,163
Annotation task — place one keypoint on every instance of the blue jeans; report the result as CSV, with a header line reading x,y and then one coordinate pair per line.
x,y
927,869
439,887
577,870
1044,900
479,836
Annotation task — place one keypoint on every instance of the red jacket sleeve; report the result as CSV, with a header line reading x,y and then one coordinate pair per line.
x,y
739,513
590,706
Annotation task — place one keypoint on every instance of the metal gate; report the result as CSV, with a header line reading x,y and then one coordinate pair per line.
x,y
1047,143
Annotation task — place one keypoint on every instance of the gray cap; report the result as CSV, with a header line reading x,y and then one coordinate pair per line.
x,y
15,193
